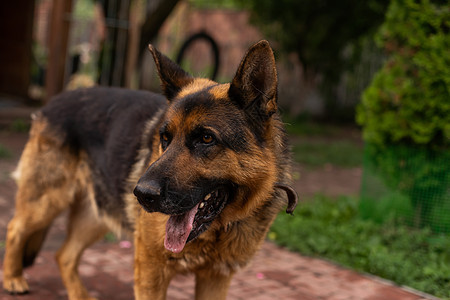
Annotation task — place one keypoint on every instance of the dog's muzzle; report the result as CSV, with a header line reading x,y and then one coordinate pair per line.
x,y
148,193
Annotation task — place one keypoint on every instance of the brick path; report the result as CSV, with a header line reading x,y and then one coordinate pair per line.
x,y
275,273
106,268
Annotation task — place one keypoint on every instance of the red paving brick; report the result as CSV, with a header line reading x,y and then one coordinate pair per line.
x,y
275,273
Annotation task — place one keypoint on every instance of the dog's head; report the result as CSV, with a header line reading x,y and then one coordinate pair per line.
x,y
216,156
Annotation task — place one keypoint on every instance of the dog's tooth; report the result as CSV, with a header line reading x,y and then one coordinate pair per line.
x,y
201,205
227,227
207,197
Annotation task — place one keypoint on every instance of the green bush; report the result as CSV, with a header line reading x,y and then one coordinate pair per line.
x,y
409,98
405,112
332,228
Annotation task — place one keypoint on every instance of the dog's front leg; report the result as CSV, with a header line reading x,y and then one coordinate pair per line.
x,y
150,284
211,285
151,276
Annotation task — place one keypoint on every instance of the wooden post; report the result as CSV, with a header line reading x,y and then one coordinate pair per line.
x,y
16,37
58,41
135,22
154,21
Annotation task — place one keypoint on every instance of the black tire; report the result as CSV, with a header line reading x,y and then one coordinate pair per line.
x,y
214,49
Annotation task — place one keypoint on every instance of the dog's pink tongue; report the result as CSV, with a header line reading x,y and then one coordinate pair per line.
x,y
178,229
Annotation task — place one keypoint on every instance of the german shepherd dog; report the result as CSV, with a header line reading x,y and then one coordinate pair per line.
x,y
198,175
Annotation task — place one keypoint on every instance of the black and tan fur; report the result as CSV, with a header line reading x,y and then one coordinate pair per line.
x,y
208,163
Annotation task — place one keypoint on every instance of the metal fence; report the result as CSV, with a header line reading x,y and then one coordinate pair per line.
x,y
407,184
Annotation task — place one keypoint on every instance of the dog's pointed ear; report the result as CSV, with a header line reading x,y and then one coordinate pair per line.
x,y
173,77
255,84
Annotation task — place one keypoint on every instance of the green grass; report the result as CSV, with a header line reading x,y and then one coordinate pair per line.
x,y
207,4
110,237
4,152
19,125
315,153
333,229
304,127
316,144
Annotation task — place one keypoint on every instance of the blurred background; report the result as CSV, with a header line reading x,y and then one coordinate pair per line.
x,y
364,90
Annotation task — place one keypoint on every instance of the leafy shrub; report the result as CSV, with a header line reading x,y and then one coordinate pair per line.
x,y
409,98
405,112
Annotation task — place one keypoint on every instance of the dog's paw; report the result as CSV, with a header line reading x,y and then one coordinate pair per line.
x,y
15,285
81,294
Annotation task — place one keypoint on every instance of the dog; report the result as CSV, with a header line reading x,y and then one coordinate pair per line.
x,y
197,175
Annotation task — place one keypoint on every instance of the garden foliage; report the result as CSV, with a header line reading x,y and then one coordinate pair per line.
x,y
405,112
318,31
409,98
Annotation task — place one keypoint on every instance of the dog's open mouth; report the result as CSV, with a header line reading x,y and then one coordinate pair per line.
x,y
181,229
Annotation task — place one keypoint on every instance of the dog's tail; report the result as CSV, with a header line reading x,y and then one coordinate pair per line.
x,y
33,245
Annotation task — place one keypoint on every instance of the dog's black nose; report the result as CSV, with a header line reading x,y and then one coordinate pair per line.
x,y
148,194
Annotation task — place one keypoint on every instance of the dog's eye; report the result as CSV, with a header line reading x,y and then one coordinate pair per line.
x,y
165,140
207,138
